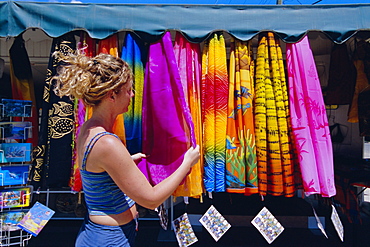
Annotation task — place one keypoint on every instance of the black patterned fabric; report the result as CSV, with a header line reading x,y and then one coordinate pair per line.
x,y
53,155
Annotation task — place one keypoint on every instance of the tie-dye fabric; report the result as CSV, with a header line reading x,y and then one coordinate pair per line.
x,y
168,130
214,112
309,121
131,53
241,160
188,60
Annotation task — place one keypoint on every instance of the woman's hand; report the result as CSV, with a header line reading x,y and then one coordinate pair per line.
x,y
192,155
138,157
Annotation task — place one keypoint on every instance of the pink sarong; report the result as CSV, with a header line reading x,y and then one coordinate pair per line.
x,y
168,130
309,121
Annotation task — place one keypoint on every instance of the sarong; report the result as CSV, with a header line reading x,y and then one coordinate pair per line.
x,y
214,112
131,53
309,121
188,60
168,130
241,160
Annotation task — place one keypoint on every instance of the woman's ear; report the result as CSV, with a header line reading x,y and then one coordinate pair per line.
x,y
111,95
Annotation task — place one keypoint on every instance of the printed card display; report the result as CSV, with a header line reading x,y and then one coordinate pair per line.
x,y
10,219
13,175
337,223
15,197
16,152
267,225
215,223
16,130
184,232
16,108
36,218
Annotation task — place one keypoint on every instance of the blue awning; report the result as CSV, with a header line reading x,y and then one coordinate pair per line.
x,y
196,22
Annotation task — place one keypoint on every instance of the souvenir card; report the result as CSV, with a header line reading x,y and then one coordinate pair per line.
x,y
16,130
16,152
337,223
215,223
10,219
184,232
36,218
267,225
16,108
15,197
13,175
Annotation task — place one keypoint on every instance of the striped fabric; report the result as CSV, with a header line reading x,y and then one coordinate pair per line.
x,y
274,149
102,195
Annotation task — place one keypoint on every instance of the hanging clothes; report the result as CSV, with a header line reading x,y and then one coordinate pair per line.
x,y
168,130
131,53
361,61
53,155
309,121
342,77
110,46
275,162
87,46
214,112
241,160
188,61
22,83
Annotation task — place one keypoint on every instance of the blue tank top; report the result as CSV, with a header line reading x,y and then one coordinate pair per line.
x,y
102,195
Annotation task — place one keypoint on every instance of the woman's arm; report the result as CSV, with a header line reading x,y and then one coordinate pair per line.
x,y
113,157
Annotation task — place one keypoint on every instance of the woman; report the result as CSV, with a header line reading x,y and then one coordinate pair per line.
x,y
112,183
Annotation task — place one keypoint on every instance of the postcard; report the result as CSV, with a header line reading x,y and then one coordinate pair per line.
x,y
16,152
13,175
215,223
36,218
10,219
337,223
16,130
16,108
267,225
15,197
184,232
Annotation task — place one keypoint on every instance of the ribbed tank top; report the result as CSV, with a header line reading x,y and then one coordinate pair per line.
x,y
102,195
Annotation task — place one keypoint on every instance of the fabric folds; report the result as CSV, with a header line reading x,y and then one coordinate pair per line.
x,y
241,160
188,60
214,112
131,53
309,121
168,130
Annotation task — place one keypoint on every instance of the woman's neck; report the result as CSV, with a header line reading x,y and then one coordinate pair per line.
x,y
103,118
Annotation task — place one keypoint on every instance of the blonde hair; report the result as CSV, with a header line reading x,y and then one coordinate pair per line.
x,y
90,79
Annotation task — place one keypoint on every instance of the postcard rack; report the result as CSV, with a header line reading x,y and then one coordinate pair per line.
x,y
15,158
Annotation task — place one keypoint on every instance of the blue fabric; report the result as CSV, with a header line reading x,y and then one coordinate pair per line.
x,y
196,22
102,195
93,235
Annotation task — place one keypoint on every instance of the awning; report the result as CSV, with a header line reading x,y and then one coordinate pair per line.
x,y
196,22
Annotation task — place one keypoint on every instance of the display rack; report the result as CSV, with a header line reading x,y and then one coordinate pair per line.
x,y
10,234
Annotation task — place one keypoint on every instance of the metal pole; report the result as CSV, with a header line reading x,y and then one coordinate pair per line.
x,y
279,2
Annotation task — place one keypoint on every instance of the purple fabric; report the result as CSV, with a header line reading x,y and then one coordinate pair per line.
x,y
309,121
168,130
